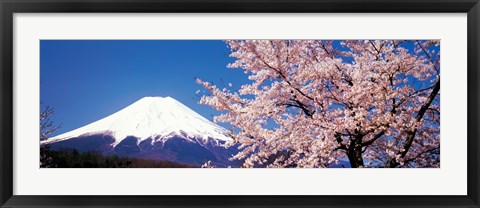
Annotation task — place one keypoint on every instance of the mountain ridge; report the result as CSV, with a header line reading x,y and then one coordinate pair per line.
x,y
154,128
151,117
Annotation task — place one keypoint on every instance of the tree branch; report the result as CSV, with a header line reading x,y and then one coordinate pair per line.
x,y
411,135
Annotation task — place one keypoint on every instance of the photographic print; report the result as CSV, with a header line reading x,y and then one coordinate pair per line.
x,y
239,104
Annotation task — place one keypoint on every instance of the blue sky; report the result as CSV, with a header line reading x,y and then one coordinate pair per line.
x,y
86,80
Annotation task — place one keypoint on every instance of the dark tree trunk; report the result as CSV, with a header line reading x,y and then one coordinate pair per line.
x,y
354,154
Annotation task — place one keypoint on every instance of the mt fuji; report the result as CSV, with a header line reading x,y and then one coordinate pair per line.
x,y
157,128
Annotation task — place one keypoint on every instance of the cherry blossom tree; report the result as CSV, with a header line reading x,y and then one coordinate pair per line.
x,y
312,103
46,129
46,125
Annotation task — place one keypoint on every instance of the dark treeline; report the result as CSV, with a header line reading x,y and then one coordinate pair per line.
x,y
74,159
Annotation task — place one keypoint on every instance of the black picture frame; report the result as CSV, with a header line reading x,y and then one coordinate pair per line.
x,y
9,7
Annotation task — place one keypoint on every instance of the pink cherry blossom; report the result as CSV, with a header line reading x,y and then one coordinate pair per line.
x,y
311,103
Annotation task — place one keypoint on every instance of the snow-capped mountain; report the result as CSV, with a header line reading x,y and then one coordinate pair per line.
x,y
159,128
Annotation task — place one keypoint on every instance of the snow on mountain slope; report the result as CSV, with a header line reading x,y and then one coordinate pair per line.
x,y
152,117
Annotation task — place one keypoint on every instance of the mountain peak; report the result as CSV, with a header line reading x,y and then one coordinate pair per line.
x,y
157,98
157,118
